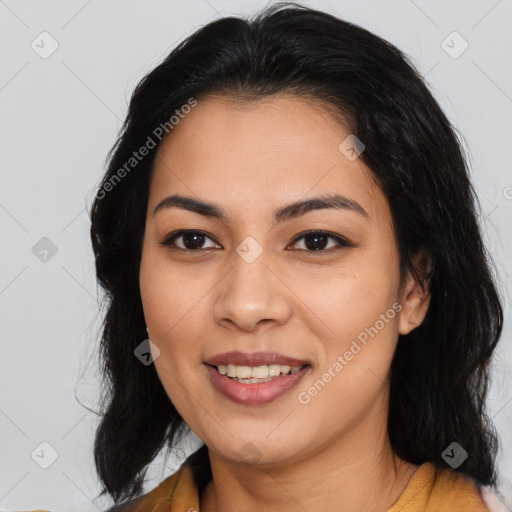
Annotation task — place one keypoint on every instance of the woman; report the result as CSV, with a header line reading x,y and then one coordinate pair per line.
x,y
288,214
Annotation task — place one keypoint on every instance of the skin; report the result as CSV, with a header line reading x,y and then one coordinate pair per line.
x,y
332,453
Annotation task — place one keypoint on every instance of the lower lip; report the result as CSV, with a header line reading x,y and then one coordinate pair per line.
x,y
255,394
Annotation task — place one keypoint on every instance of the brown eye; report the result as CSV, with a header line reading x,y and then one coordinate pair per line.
x,y
318,241
314,241
192,240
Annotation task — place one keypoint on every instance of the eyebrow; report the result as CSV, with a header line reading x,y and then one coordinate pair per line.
x,y
282,214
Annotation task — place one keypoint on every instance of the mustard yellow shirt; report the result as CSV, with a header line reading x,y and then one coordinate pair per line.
x,y
431,489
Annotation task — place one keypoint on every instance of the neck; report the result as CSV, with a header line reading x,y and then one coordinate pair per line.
x,y
359,471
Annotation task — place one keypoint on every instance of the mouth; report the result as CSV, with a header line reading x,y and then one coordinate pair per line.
x,y
256,374
255,385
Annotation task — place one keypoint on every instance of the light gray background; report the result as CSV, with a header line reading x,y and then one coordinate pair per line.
x,y
59,118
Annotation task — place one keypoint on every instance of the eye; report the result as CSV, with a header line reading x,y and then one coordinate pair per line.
x,y
317,241
314,241
192,240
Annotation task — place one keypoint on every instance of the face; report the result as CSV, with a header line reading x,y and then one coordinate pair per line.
x,y
319,284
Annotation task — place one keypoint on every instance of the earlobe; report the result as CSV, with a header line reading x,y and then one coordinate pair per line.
x,y
415,297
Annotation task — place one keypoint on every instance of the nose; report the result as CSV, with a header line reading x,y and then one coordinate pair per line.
x,y
252,294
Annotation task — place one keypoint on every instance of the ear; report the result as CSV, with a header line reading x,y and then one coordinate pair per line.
x,y
414,296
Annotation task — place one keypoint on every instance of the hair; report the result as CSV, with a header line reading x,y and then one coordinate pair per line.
x,y
440,372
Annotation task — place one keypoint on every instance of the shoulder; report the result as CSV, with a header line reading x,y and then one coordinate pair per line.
x,y
464,491
436,489
178,487
455,485
180,490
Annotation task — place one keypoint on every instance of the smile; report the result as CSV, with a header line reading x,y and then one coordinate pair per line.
x,y
255,385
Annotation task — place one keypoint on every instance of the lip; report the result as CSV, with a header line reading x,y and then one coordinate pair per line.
x,y
254,359
257,393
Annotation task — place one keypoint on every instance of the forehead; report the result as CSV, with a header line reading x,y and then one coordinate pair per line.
x,y
265,152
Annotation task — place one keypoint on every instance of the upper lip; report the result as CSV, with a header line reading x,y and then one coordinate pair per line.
x,y
254,359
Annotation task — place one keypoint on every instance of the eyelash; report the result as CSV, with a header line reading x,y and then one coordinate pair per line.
x,y
342,242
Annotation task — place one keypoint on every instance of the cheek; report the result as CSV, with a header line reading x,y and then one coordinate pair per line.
x,y
171,300
354,375
175,316
359,331
348,299
179,333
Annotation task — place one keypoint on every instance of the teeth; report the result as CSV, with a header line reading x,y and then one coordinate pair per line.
x,y
256,372
231,370
275,369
